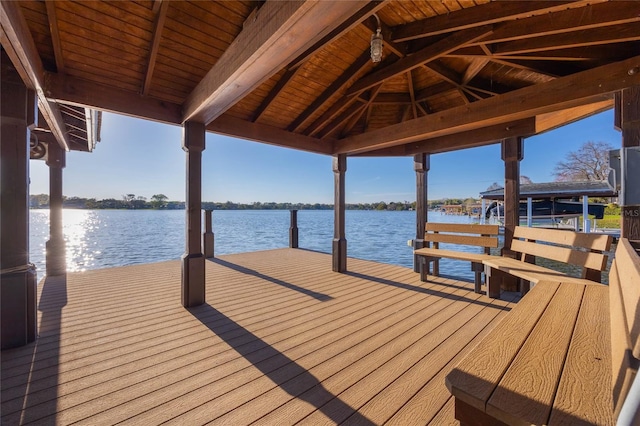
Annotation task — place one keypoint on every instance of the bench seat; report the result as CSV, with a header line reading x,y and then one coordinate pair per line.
x,y
529,271
453,254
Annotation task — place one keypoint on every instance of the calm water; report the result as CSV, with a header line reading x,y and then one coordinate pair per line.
x,y
107,238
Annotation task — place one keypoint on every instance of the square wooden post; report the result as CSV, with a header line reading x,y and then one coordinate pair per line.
x,y
193,286
18,315
339,248
512,154
421,165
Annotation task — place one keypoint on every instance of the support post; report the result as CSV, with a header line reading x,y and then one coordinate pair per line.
x,y
339,248
293,229
56,249
483,218
208,237
512,154
529,212
421,165
193,288
628,113
18,315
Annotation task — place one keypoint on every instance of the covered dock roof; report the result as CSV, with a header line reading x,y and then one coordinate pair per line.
x,y
453,74
557,190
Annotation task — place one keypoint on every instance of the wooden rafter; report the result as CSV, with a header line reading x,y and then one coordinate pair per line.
x,y
473,69
337,86
260,133
419,58
260,51
412,94
273,94
161,15
354,109
486,14
586,18
19,45
566,92
332,113
594,37
55,35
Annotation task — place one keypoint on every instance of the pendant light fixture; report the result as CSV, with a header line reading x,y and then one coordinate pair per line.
x,y
376,43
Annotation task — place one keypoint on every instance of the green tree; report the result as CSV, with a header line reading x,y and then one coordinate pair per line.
x,y
159,201
589,162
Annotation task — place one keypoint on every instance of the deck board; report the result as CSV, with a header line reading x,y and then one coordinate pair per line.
x,y
281,340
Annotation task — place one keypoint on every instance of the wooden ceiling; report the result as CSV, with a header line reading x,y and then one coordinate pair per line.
x,y
455,73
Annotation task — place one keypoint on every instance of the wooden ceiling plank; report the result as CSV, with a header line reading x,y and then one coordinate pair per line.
x,y
76,91
358,18
486,14
55,35
589,17
280,85
338,85
155,43
19,45
280,32
257,132
419,58
578,89
594,37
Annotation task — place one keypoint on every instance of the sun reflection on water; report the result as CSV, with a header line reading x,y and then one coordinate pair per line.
x,y
77,226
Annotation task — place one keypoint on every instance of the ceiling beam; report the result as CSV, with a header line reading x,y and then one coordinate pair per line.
x,y
594,37
280,31
553,120
464,140
17,41
161,16
486,14
76,91
273,93
257,132
419,58
586,18
55,35
566,92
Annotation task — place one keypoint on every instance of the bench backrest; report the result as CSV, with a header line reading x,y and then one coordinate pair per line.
x,y
464,234
624,300
575,248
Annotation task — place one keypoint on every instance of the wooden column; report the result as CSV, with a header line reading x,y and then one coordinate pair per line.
x,y
628,115
421,164
193,287
339,239
293,229
18,277
512,154
56,250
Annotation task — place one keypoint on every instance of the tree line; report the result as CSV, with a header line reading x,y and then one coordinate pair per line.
x,y
161,202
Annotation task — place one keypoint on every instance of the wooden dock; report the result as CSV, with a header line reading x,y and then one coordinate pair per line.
x,y
281,340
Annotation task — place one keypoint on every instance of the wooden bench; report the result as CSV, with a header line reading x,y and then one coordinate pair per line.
x,y
566,354
575,248
484,236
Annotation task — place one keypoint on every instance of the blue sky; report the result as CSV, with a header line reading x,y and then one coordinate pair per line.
x,y
145,158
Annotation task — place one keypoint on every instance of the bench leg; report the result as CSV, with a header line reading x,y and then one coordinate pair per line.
x,y
494,281
471,416
478,269
424,268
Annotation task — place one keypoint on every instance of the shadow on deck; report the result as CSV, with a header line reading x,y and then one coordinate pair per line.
x,y
281,340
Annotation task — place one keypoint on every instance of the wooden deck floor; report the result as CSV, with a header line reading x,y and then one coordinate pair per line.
x,y
282,340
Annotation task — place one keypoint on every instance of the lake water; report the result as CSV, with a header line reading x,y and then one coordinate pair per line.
x,y
107,238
